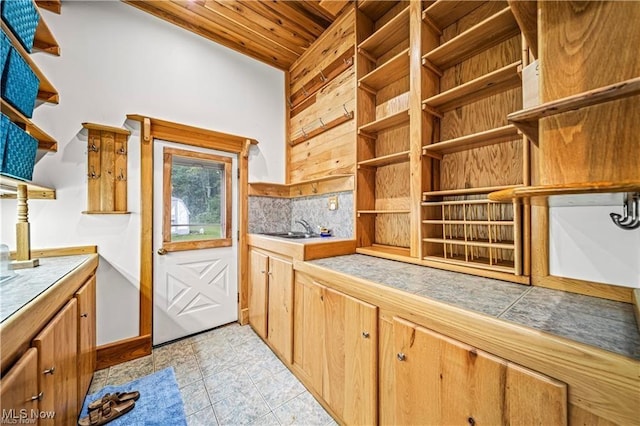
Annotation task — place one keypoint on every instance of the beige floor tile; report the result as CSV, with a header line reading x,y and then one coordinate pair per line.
x,y
303,410
195,398
204,417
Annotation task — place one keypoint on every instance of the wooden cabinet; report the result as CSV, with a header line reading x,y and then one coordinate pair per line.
x,y
271,300
438,380
19,389
335,349
86,298
58,365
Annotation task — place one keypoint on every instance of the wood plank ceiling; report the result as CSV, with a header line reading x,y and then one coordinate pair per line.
x,y
273,31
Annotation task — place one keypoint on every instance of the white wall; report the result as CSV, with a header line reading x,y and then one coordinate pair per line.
x,y
116,60
585,244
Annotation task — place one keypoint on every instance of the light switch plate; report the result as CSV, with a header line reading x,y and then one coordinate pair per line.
x,y
333,203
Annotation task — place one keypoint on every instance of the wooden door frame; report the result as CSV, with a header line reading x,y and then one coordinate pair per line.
x,y
151,129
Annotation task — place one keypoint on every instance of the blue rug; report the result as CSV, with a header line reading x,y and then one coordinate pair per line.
x,y
160,401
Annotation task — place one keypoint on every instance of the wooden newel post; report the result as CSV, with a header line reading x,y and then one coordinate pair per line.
x,y
23,237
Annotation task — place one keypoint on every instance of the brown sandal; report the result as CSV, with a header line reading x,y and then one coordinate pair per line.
x,y
107,412
118,398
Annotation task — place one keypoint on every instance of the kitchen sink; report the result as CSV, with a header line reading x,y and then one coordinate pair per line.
x,y
291,235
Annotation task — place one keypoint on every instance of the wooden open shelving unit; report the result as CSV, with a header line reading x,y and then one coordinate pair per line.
x,y
388,36
476,39
527,120
46,91
45,142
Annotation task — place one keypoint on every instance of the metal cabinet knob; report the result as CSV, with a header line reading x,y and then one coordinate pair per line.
x,y
365,334
37,397
401,356
162,251
50,370
84,315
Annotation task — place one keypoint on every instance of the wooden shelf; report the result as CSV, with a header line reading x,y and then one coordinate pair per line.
x,y
383,212
387,36
466,191
489,84
457,202
527,119
9,186
506,245
44,41
385,160
322,185
375,9
397,119
387,252
469,222
476,140
392,70
445,12
46,91
482,36
45,142
99,212
477,262
544,191
54,6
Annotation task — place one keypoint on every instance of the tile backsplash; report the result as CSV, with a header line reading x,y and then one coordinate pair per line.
x,y
267,214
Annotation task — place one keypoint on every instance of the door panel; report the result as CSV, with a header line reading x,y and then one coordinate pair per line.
x,y
258,268
281,307
19,387
350,371
57,366
86,297
195,284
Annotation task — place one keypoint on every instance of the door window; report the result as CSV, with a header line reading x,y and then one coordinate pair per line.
x,y
196,200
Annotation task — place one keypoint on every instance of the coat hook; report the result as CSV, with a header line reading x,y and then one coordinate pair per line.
x,y
289,103
122,151
322,123
93,174
93,147
346,113
630,217
304,91
303,132
121,176
322,77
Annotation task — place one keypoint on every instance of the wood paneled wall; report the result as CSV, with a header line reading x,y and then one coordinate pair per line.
x,y
332,152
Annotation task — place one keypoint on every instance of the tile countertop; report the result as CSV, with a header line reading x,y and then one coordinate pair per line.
x,y
29,283
597,322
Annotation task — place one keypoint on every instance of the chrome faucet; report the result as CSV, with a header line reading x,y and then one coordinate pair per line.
x,y
308,229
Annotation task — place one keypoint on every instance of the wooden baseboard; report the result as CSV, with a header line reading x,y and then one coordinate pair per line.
x,y
587,288
636,305
123,350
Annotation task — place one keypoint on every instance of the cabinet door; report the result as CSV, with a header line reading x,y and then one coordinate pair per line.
x,y
57,365
258,268
349,382
86,298
19,389
442,381
308,330
280,319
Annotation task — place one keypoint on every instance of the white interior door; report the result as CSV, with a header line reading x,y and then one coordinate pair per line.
x,y
195,278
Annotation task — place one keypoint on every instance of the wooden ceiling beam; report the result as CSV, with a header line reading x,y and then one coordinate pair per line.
x,y
235,11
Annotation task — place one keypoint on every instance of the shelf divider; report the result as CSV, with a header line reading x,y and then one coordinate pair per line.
x,y
482,36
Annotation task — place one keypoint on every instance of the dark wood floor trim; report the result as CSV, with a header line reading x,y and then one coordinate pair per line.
x,y
123,350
